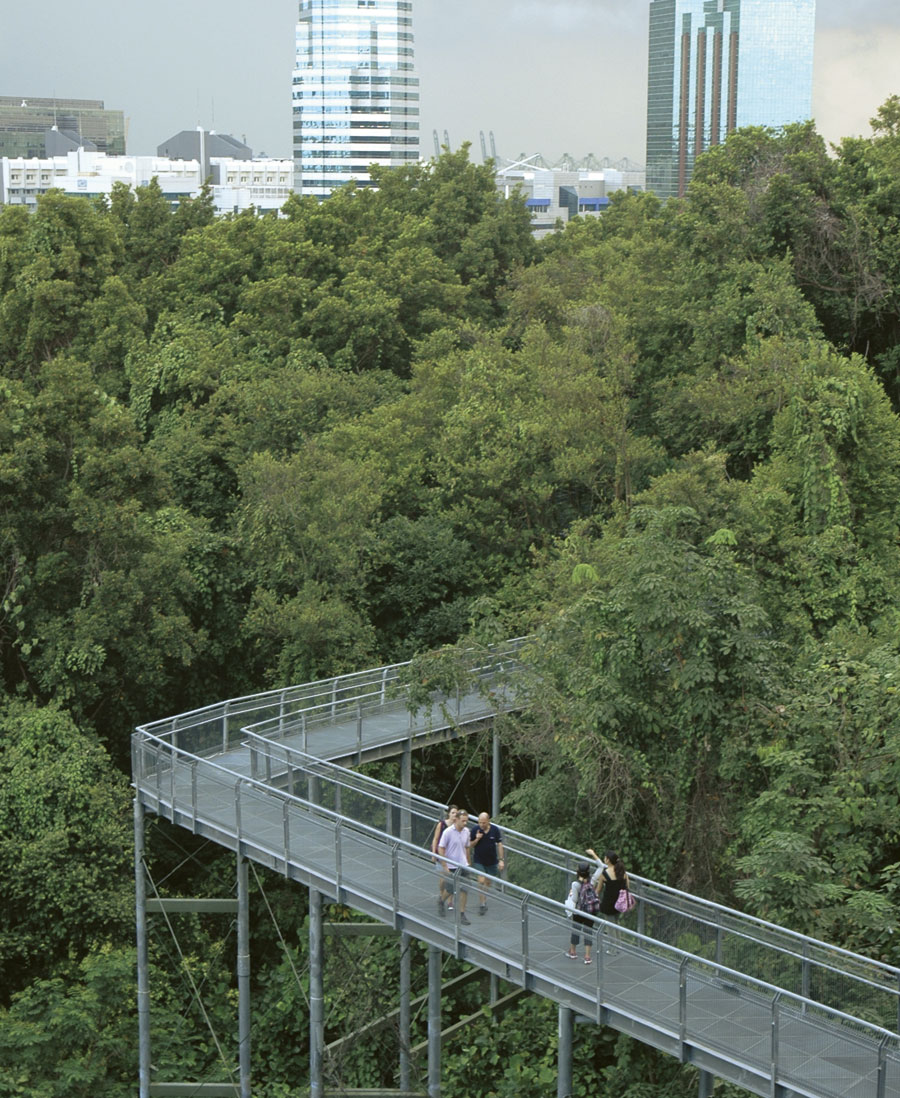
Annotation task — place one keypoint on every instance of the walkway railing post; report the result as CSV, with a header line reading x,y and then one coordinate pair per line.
x,y
774,1047
316,996
243,974
395,882
882,1069
338,866
564,1054
525,941
406,786
496,776
804,972
434,1022
143,978
682,1005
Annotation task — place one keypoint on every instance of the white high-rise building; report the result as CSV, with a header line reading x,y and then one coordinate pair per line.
x,y
355,93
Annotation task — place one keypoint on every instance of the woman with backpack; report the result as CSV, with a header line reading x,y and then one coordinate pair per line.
x,y
614,879
581,902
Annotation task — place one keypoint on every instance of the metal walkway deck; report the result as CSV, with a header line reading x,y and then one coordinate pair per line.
x,y
777,1013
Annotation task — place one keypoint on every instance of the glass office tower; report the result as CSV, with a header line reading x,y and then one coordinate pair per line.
x,y
356,92
717,65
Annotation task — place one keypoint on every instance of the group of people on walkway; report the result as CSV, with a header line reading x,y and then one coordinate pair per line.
x,y
476,849
460,845
595,891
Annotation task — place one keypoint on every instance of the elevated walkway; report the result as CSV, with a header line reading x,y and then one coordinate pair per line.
x,y
267,777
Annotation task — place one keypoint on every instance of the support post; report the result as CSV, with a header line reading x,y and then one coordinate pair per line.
x,y
405,1008
707,1081
434,1022
143,970
496,794
243,974
316,996
405,939
564,1062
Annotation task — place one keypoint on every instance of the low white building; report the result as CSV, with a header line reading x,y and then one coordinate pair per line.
x,y
554,195
236,184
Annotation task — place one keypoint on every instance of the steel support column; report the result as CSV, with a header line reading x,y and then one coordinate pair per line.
x,y
405,1008
564,1055
434,1022
707,1082
243,973
143,971
496,794
316,995
406,941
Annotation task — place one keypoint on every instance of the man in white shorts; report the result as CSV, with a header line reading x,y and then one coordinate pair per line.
x,y
454,852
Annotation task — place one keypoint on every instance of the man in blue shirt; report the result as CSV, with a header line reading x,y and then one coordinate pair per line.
x,y
487,855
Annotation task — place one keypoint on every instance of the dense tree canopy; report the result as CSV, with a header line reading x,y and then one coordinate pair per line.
x,y
240,453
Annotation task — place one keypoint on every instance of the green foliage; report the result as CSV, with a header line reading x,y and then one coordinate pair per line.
x,y
64,835
823,834
254,451
72,1035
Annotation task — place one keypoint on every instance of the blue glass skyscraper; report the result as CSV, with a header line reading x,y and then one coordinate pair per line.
x,y
355,91
717,65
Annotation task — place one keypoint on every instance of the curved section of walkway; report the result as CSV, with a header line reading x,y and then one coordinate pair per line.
x,y
752,1003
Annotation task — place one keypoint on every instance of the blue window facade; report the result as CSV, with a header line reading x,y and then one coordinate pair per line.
x,y
717,65
355,91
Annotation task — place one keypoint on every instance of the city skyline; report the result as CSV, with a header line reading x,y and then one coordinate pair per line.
x,y
507,67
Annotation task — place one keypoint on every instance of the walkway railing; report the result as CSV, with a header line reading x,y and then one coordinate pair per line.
x,y
250,772
365,843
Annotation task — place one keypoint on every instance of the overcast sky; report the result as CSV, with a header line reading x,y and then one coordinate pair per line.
x,y
547,76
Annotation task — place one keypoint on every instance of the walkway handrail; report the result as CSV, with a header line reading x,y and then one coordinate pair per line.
x,y
157,759
715,917
675,915
672,916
